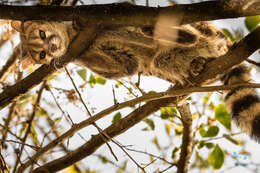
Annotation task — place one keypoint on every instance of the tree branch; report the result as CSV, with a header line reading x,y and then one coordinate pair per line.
x,y
127,14
186,146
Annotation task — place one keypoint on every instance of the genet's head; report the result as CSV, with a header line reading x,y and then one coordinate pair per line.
x,y
42,41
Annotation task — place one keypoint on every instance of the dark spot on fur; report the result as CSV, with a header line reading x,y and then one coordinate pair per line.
x,y
197,66
162,60
221,34
205,31
148,31
243,104
256,128
185,37
124,59
203,28
236,72
231,92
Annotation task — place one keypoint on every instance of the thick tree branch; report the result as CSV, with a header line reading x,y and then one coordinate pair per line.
x,y
126,14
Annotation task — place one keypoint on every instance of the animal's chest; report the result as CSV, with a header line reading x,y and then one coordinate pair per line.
x,y
126,51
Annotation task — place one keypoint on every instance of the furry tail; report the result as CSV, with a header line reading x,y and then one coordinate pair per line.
x,y
243,103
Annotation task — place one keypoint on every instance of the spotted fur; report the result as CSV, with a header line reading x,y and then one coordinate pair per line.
x,y
243,103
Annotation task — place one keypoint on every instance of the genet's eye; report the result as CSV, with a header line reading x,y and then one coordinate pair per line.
x,y
42,54
42,34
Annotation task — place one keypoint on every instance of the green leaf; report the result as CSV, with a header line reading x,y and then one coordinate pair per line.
x,y
168,112
117,117
103,159
156,143
228,137
118,84
252,22
58,119
216,157
209,145
83,74
152,92
201,144
51,77
92,80
205,100
189,98
100,80
178,131
41,112
211,132
34,135
174,152
203,132
228,34
150,123
223,116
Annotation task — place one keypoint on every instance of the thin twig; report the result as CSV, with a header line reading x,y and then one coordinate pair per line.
x,y
114,95
28,130
85,106
103,134
253,62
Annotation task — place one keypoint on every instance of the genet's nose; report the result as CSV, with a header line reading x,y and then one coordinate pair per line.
x,y
53,47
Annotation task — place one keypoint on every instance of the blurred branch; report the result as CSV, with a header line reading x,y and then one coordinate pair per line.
x,y
186,146
127,14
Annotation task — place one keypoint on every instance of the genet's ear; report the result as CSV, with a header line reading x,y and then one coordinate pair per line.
x,y
27,62
17,25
